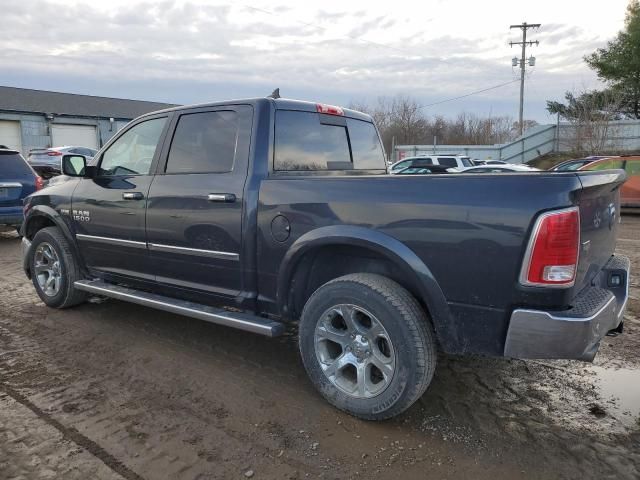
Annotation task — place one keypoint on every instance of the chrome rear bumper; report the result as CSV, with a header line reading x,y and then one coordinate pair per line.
x,y
575,333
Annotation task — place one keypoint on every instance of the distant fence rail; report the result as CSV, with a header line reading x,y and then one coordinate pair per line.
x,y
619,136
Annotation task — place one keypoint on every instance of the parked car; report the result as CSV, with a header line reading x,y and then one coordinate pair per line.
x,y
489,162
262,213
630,191
46,161
17,180
500,169
419,168
450,161
576,164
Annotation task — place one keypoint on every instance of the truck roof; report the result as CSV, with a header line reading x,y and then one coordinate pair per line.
x,y
280,104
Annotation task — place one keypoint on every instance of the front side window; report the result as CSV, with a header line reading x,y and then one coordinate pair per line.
x,y
204,143
133,152
303,143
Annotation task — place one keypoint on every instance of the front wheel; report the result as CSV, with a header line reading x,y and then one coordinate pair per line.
x,y
54,269
367,345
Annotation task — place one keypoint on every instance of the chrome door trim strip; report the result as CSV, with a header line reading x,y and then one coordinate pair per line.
x,y
194,251
111,241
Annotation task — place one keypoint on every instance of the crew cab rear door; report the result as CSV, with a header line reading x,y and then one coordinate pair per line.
x,y
195,206
108,211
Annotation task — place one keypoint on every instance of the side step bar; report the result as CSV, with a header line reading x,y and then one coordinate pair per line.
x,y
242,321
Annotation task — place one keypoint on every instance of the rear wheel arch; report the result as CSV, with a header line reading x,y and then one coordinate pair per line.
x,y
331,252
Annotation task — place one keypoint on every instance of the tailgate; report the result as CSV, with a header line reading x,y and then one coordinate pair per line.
x,y
599,202
10,194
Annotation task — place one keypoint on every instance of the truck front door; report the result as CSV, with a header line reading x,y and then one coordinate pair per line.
x,y
108,211
195,205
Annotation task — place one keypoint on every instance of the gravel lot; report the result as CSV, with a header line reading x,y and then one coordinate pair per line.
x,y
112,390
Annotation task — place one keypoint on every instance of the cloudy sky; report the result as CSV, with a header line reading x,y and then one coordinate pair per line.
x,y
332,51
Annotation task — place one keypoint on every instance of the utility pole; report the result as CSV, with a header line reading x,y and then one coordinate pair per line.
x,y
524,26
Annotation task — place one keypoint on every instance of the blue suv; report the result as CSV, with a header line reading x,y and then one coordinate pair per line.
x,y
17,180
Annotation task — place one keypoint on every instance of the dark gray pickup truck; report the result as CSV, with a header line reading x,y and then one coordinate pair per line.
x,y
260,213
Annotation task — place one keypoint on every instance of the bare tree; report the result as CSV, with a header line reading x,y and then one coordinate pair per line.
x,y
403,118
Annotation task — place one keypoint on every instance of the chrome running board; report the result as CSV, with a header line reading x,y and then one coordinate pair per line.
x,y
241,321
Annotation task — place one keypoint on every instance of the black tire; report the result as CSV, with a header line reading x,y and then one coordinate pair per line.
x,y
67,295
409,330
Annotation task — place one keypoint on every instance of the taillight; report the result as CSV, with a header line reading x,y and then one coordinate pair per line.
x,y
329,109
53,153
39,183
552,254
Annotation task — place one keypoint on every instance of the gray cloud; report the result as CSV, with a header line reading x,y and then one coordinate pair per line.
x,y
189,53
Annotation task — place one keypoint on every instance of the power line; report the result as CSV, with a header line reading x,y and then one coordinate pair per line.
x,y
469,94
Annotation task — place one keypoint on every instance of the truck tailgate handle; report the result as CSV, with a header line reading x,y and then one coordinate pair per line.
x,y
221,197
132,196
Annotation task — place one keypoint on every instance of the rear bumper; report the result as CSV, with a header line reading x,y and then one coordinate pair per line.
x,y
575,333
11,215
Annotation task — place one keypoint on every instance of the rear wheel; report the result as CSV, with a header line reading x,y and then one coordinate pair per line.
x,y
54,269
367,345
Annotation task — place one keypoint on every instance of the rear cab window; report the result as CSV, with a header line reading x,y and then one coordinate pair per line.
x,y
309,141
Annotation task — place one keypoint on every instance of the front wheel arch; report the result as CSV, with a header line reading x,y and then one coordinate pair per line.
x,y
42,216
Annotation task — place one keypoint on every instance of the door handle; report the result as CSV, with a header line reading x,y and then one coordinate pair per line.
x,y
221,197
132,196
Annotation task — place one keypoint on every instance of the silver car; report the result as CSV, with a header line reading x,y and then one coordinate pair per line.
x,y
46,161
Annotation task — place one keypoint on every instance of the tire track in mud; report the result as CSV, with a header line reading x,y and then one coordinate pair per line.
x,y
73,435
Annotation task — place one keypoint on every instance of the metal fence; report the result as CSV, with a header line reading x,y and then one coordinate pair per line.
x,y
618,136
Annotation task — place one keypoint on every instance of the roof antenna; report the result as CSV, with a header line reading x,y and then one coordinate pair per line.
x,y
275,94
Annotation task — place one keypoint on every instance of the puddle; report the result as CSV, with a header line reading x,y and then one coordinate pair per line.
x,y
620,389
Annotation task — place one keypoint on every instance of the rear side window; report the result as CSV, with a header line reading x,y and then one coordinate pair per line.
x,y
204,143
447,162
421,162
302,143
12,165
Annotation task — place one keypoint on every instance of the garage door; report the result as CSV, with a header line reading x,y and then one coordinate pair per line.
x,y
10,134
74,135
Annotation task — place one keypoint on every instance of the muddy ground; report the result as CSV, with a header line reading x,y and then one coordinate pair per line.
x,y
112,390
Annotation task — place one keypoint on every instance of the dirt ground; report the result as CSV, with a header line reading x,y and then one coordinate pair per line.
x,y
111,390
